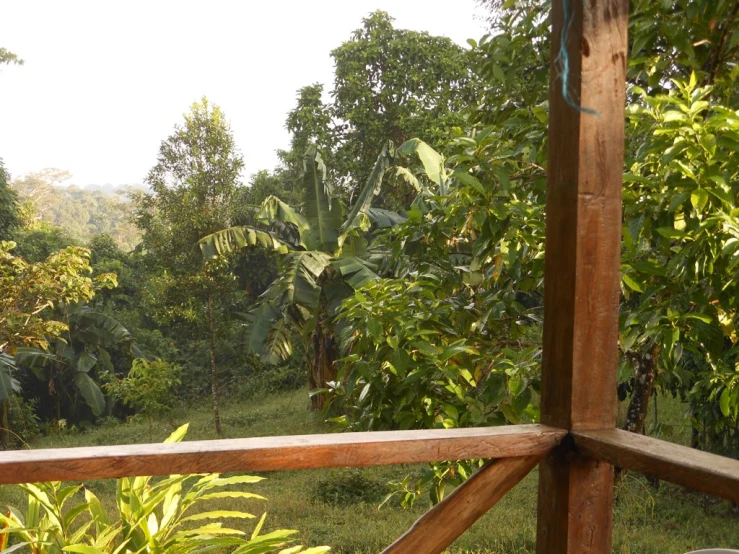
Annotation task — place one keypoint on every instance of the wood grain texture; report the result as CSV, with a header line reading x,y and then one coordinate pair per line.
x,y
575,512
444,523
684,466
583,241
582,269
276,453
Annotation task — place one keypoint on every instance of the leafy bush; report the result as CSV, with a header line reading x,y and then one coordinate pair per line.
x,y
148,387
153,516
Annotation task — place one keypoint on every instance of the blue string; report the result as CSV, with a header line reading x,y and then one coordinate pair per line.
x,y
563,60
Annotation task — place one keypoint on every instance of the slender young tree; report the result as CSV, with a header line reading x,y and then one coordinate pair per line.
x,y
196,175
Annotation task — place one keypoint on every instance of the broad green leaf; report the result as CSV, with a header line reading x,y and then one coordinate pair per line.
x,y
371,189
8,384
219,514
432,161
632,283
90,392
699,199
178,434
724,402
84,362
322,212
236,238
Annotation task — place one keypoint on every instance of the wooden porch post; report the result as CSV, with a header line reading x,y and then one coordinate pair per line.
x,y
586,143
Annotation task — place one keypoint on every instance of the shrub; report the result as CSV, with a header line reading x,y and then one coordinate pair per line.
x,y
153,516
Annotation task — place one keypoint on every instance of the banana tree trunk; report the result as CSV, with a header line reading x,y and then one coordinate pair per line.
x,y
213,367
322,367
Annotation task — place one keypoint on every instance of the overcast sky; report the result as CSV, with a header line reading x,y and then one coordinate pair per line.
x,y
104,82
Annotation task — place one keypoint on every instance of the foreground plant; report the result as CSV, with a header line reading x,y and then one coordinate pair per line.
x,y
153,516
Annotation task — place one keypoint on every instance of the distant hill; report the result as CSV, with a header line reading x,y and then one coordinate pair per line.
x,y
82,212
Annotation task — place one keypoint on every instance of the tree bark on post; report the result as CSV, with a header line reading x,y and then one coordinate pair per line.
x,y
645,372
213,367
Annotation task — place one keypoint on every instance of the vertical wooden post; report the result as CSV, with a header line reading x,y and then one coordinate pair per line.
x,y
585,167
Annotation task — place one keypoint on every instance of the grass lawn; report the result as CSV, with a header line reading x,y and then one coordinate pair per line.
x,y
339,507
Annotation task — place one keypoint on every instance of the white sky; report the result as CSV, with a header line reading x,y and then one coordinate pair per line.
x,y
104,82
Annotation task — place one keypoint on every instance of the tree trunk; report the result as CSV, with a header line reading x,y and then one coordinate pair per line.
x,y
213,368
322,368
645,371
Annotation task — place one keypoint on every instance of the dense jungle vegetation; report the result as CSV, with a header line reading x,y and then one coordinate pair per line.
x,y
388,272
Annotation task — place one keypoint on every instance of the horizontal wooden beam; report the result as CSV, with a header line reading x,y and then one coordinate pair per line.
x,y
277,453
444,523
685,466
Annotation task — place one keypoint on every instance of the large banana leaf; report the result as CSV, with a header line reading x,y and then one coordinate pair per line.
x,y
35,360
291,299
99,329
8,384
90,392
273,209
322,211
260,320
235,238
370,190
355,271
298,281
384,218
433,162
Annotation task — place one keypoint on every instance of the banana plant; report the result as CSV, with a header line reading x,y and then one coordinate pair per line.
x,y
72,361
326,257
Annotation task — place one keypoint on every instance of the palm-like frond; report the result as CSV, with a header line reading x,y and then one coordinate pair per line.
x,y
273,209
8,384
383,219
322,210
292,299
371,189
236,238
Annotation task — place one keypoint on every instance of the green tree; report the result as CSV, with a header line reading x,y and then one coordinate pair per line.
x,y
193,184
148,387
326,257
7,57
29,292
390,84
9,218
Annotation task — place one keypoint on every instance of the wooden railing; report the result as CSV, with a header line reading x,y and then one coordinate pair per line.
x,y
578,446
514,451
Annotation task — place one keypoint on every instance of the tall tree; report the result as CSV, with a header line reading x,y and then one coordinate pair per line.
x,y
390,84
196,176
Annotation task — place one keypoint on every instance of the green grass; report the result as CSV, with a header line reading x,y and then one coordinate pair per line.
x,y
647,521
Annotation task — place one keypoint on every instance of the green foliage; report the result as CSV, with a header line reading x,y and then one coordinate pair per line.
x,y
74,362
325,257
152,516
81,213
193,183
27,290
389,85
7,57
149,386
9,218
681,243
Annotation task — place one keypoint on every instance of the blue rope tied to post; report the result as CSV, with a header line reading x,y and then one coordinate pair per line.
x,y
563,60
